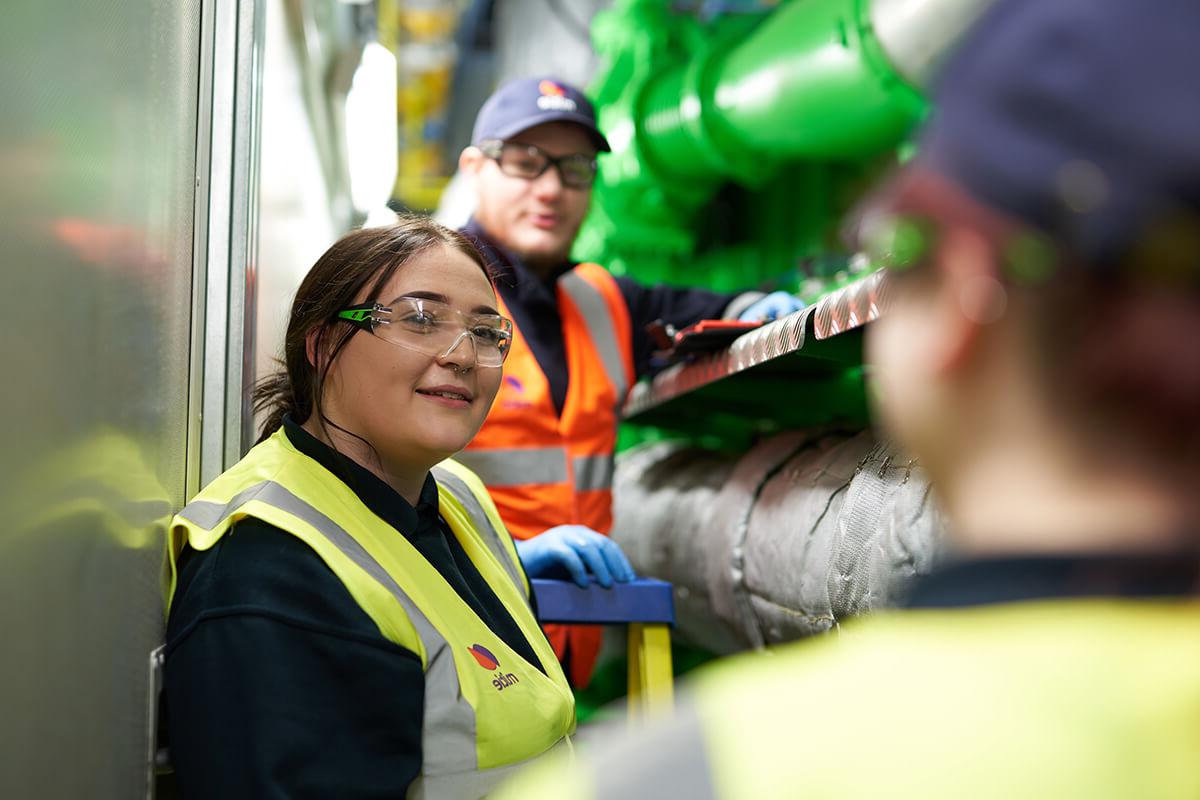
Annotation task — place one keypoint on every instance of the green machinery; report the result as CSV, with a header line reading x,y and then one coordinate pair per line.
x,y
740,141
742,132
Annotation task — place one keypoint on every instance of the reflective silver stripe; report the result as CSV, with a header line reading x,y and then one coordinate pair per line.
x,y
470,785
461,786
632,765
491,537
208,514
600,325
448,732
516,466
592,472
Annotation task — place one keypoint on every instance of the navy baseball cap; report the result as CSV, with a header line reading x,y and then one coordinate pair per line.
x,y
1079,118
521,104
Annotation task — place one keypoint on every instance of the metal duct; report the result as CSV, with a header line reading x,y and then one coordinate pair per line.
x,y
917,37
784,541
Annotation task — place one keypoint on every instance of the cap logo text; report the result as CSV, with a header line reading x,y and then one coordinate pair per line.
x,y
554,98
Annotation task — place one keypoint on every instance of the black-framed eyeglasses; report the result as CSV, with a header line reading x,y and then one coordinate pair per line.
x,y
528,161
433,328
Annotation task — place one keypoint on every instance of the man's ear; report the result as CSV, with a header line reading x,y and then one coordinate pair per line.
x,y
470,160
970,298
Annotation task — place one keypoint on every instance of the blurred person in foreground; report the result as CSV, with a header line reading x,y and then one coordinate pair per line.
x,y
1038,355
579,339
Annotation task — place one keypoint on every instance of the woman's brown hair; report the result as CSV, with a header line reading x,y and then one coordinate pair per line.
x,y
366,256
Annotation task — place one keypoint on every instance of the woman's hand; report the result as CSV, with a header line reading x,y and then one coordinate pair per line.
x,y
579,550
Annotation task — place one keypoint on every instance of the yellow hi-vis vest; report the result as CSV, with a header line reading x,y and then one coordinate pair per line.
x,y
487,710
1081,698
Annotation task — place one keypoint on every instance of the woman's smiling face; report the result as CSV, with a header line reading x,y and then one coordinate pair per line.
x,y
417,409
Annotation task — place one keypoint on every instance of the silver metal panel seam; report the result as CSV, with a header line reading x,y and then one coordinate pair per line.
x,y
231,141
200,305
215,146
243,297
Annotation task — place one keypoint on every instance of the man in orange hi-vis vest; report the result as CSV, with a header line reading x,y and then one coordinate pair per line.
x,y
546,450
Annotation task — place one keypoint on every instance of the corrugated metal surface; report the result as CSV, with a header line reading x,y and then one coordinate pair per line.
x,y
98,124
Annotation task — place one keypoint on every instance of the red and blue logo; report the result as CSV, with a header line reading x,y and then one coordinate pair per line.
x,y
484,656
554,97
501,680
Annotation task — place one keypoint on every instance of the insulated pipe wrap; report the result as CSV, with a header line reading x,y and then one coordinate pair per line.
x,y
784,541
658,491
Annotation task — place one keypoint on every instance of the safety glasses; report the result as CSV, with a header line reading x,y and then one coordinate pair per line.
x,y
433,328
902,227
576,170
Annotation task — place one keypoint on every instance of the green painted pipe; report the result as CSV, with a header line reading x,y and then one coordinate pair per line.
x,y
811,83
790,104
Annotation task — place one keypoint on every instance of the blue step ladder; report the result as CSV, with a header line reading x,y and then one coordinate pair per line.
x,y
646,607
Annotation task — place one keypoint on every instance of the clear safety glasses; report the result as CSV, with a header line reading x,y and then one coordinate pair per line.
x,y
900,242
576,170
433,328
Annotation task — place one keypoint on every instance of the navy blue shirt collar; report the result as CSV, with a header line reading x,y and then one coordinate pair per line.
x,y
508,268
533,304
383,501
424,528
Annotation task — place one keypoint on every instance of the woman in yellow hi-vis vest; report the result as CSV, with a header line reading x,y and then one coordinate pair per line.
x,y
1038,353
346,618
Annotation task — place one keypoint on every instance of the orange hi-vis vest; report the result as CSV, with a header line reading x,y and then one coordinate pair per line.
x,y
543,469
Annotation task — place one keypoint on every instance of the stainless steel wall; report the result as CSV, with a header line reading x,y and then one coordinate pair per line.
x,y
98,182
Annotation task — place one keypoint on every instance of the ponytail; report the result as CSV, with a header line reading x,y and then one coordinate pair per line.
x,y
273,397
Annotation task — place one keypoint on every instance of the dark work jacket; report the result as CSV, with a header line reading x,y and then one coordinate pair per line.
x,y
278,684
533,303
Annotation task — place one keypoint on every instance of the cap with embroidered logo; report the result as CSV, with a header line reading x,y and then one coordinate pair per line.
x,y
1080,118
521,104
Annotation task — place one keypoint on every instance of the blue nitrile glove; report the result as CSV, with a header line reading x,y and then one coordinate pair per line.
x,y
577,549
773,306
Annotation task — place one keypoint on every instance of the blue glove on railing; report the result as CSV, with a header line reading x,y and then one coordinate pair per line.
x,y
773,306
578,550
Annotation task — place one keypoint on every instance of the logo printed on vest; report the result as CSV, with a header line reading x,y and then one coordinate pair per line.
x,y
501,680
484,656
517,387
